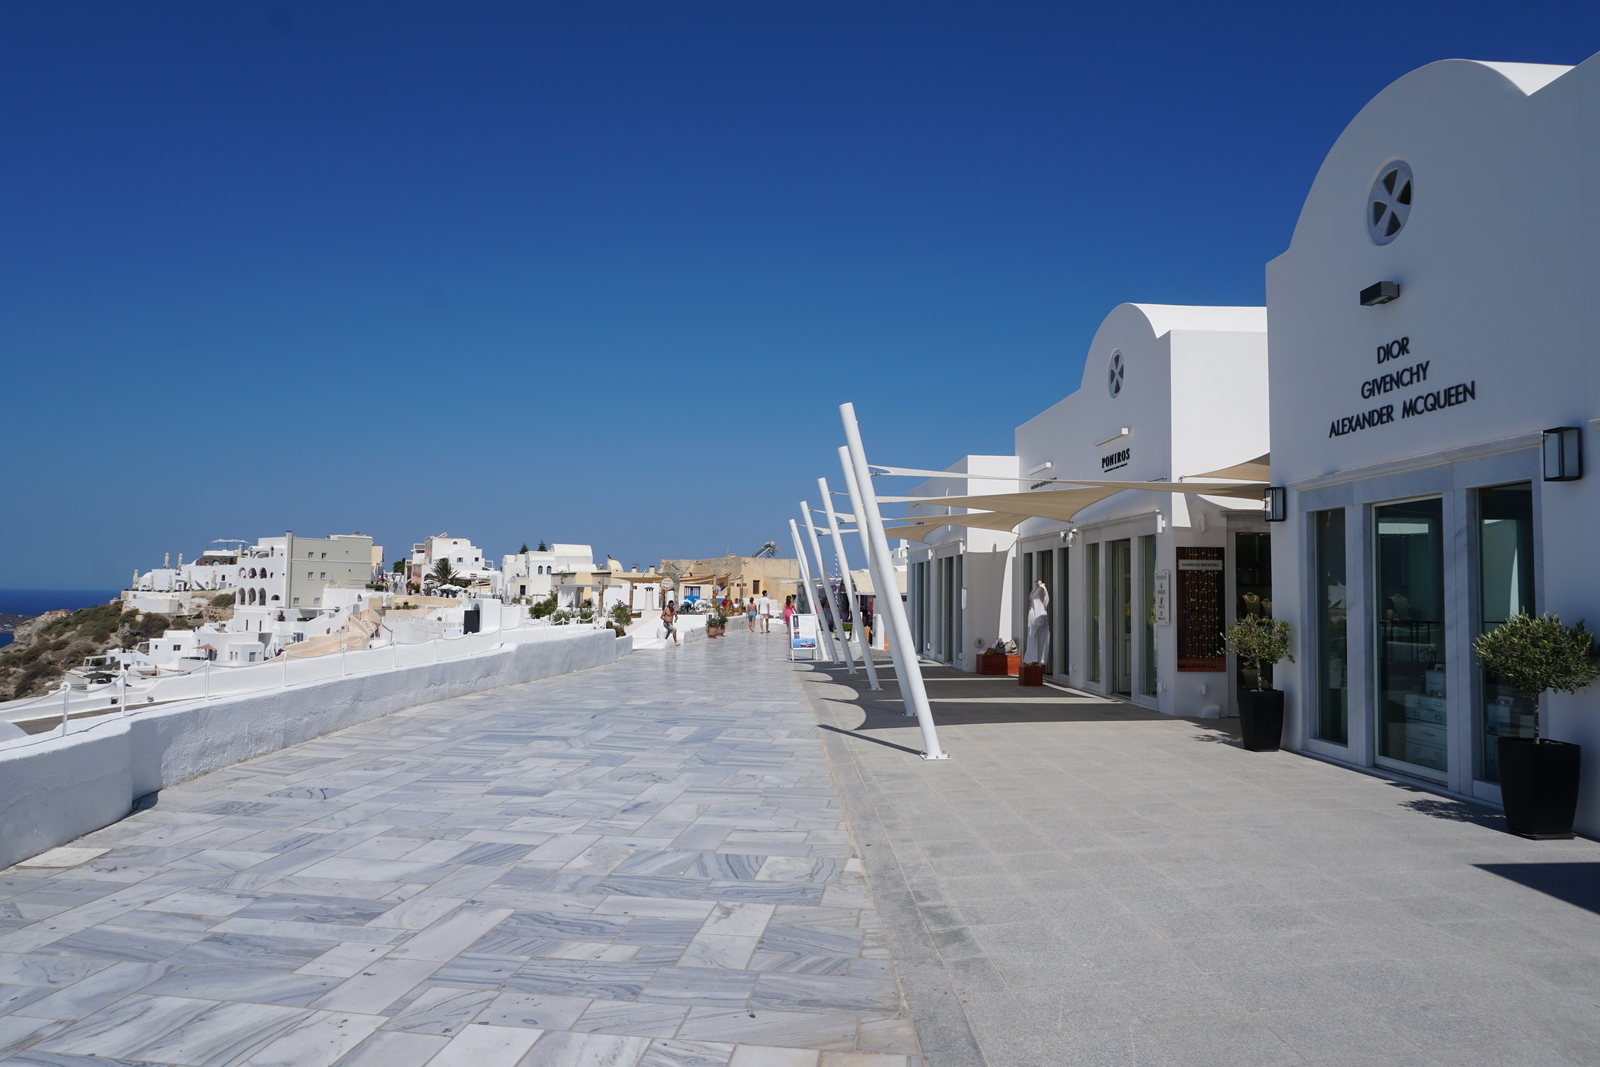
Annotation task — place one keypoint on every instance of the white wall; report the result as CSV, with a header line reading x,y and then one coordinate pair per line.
x,y
56,790
1496,284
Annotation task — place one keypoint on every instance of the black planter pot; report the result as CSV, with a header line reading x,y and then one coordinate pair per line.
x,y
1261,719
1539,786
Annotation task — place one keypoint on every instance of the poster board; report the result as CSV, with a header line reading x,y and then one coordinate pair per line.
x,y
1201,614
802,636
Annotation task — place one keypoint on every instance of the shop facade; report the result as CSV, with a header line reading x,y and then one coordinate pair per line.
x,y
1142,581
1431,319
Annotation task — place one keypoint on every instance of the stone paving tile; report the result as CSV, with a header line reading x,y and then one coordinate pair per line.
x,y
1091,883
643,865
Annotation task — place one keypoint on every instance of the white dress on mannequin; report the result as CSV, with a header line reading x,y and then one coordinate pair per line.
x,y
1038,642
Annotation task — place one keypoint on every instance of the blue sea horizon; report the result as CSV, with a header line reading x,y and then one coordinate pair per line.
x,y
39,601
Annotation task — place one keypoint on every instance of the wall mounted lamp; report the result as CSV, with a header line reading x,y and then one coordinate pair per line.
x,y
1380,293
1563,454
1275,502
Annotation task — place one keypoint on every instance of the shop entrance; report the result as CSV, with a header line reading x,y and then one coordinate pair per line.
x,y
1252,579
1413,716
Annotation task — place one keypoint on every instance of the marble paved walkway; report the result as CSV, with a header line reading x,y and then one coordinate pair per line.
x,y
643,865
1088,883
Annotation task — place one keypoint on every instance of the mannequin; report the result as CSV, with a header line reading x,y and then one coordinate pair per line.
x,y
1038,643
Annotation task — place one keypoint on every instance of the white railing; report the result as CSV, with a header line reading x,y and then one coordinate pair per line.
x,y
129,694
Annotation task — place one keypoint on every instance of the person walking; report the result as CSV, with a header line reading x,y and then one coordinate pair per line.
x,y
788,613
764,612
669,621
750,613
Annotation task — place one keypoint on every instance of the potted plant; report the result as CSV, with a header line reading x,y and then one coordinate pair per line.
x,y
1001,658
716,625
1260,641
621,616
1539,777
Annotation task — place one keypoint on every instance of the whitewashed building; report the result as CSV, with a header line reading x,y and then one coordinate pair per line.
x,y
1431,320
465,558
277,572
535,574
1142,581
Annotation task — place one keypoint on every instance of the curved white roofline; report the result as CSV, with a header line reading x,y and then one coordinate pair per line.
x,y
1529,77
1164,318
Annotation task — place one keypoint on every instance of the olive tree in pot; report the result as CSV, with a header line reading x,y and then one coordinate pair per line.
x,y
1539,777
1260,641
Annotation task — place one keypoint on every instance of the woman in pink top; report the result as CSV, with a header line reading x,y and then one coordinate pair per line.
x,y
788,610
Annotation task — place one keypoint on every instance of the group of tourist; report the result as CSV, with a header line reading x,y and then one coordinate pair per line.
x,y
757,610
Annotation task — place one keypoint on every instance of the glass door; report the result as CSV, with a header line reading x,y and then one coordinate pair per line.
x,y
1119,576
1505,588
1147,597
1333,649
1409,607
1059,603
1252,579
1094,609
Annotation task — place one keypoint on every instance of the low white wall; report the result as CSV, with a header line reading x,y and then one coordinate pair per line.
x,y
56,790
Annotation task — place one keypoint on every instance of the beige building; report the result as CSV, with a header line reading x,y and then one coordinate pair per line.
x,y
737,577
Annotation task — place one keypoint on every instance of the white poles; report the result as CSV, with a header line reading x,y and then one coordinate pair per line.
x,y
909,672
827,589
66,691
878,581
124,686
847,586
811,589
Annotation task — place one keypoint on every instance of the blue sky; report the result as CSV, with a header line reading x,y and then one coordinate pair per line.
x,y
603,272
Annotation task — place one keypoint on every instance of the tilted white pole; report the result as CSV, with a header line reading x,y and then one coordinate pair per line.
x,y
827,588
847,586
861,528
909,672
811,591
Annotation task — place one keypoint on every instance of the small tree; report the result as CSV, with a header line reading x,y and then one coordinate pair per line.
x,y
542,546
444,574
523,551
399,566
1537,653
544,607
1260,641
621,615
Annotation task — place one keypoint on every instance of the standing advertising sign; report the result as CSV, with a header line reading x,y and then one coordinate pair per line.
x,y
803,637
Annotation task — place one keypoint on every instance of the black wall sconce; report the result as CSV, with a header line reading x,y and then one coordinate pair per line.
x,y
1563,454
1380,293
1275,502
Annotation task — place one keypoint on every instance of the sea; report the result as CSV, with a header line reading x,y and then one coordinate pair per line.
x,y
39,601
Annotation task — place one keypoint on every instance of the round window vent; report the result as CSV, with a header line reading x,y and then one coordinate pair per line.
x,y
1389,202
1115,372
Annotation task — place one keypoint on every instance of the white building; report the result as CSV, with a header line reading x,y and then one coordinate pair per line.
x,y
958,578
465,559
1142,581
1407,432
535,574
277,572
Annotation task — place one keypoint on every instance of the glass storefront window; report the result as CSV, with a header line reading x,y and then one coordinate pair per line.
x,y
1059,603
1333,649
1091,596
1119,579
1147,583
1045,572
1505,588
1409,609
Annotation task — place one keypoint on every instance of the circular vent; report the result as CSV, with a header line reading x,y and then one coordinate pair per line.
x,y
1389,202
1115,372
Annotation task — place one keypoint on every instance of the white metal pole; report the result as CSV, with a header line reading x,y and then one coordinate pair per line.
x,y
208,677
811,591
124,684
827,588
878,581
848,586
66,691
909,671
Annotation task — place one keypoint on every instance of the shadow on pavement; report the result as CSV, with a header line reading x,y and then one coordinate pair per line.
x,y
962,699
1576,883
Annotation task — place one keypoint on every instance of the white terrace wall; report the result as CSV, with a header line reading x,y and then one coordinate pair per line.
x,y
57,790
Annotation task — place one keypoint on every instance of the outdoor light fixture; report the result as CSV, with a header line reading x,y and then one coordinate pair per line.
x,y
1380,293
1563,454
1275,502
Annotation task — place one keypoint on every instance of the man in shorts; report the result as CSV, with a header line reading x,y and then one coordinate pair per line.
x,y
764,612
